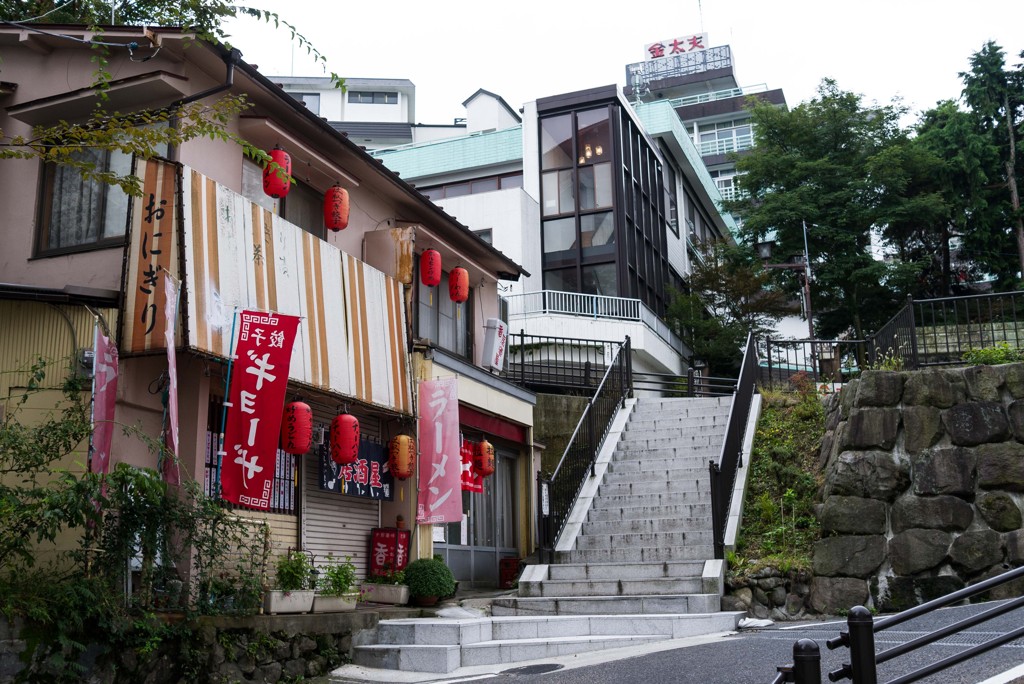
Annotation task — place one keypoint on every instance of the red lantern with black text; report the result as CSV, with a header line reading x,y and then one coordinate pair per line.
x,y
483,460
430,267
458,284
402,456
277,176
336,208
345,439
297,428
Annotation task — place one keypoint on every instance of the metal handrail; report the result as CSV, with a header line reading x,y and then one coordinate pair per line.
x,y
723,473
559,494
861,628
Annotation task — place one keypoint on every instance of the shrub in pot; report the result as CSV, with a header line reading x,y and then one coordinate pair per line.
x,y
428,580
335,586
386,587
293,589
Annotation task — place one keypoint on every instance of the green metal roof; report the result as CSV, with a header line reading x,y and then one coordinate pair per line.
x,y
438,157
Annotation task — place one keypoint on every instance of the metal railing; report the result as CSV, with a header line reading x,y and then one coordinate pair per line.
x,y
736,143
860,639
723,473
557,364
693,384
640,74
824,361
557,493
592,306
726,94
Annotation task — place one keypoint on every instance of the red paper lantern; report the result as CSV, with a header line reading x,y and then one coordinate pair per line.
x,y
458,284
277,176
483,459
345,439
336,208
297,428
430,267
402,456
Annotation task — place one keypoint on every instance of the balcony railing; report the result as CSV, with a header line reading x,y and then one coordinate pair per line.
x,y
640,74
592,306
701,98
736,143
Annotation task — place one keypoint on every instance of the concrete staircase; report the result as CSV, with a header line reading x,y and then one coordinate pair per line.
x,y
635,561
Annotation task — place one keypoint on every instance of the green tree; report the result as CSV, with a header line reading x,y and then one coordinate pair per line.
x,y
995,95
818,164
730,295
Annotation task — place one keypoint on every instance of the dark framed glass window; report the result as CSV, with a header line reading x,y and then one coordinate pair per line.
x,y
597,235
557,189
596,191
304,207
78,213
600,279
311,100
443,322
562,280
556,142
369,97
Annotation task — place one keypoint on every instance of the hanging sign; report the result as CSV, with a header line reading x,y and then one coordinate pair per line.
x,y
471,480
104,392
369,477
438,494
170,465
259,381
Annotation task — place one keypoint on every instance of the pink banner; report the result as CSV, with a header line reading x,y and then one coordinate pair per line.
x,y
104,397
170,469
259,381
440,485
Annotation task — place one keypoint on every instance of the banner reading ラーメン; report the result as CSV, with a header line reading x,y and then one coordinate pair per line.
x,y
439,497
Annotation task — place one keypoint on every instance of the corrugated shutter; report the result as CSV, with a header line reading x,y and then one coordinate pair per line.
x,y
331,522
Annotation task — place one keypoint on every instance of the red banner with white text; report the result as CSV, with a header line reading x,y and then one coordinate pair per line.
x,y
472,481
439,497
259,381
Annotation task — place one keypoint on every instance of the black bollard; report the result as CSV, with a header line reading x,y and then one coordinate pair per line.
x,y
806,662
862,646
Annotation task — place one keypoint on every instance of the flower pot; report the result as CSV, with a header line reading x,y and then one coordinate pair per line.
x,y
424,601
397,594
277,601
335,604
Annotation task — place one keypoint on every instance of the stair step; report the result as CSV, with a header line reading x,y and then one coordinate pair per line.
x,y
654,488
610,587
655,540
677,442
625,570
626,500
517,650
691,604
618,476
637,555
655,404
687,466
622,513
702,454
713,424
649,526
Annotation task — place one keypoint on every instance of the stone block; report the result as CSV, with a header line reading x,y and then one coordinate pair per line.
x,y
852,515
1013,542
831,595
871,428
976,423
983,383
880,388
932,512
848,556
901,593
922,427
882,475
916,550
1013,379
1015,415
945,470
929,388
1001,466
976,550
1000,511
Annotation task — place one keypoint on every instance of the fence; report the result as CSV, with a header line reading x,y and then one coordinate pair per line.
x,y
557,493
860,639
693,384
558,364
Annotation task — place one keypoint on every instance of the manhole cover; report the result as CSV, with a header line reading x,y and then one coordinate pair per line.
x,y
533,669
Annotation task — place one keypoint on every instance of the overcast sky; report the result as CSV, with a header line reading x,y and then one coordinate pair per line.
x,y
525,50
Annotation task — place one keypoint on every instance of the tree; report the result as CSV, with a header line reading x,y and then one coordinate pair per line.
x,y
137,133
995,95
731,295
818,164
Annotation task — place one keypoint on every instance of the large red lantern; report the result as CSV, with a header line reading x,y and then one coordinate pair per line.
x,y
458,284
430,267
402,456
483,459
277,176
297,428
336,208
345,439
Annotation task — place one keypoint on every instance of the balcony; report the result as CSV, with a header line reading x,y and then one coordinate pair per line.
x,y
728,93
736,143
641,74
599,318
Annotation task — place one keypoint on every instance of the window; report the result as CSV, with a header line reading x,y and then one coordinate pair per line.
x,y
304,207
367,97
82,214
557,191
442,321
725,179
311,100
596,187
479,185
725,136
555,141
670,199
487,235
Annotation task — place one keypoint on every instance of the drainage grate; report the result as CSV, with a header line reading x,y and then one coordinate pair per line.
x,y
543,668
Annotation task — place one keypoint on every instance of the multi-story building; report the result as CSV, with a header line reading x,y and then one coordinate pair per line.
x,y
76,251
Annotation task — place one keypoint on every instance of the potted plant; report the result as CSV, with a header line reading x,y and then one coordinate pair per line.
x,y
428,580
294,589
334,586
386,587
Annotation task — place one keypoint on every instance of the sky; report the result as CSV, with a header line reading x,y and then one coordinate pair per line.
x,y
522,51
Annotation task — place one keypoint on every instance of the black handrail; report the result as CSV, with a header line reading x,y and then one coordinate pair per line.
x,y
558,364
861,628
723,473
693,384
557,493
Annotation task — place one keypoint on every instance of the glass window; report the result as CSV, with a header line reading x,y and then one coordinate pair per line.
x,y
515,181
670,198
600,280
557,192
555,142
562,280
311,100
442,321
252,186
486,234
597,234
304,207
80,213
559,235
593,135
485,185
595,187
457,190
366,97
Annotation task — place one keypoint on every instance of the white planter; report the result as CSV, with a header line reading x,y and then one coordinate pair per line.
x,y
276,601
397,594
335,604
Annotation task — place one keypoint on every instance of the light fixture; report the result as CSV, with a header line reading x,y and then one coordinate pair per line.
x,y
587,151
599,150
583,160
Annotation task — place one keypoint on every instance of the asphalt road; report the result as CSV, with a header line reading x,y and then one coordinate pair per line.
x,y
751,657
